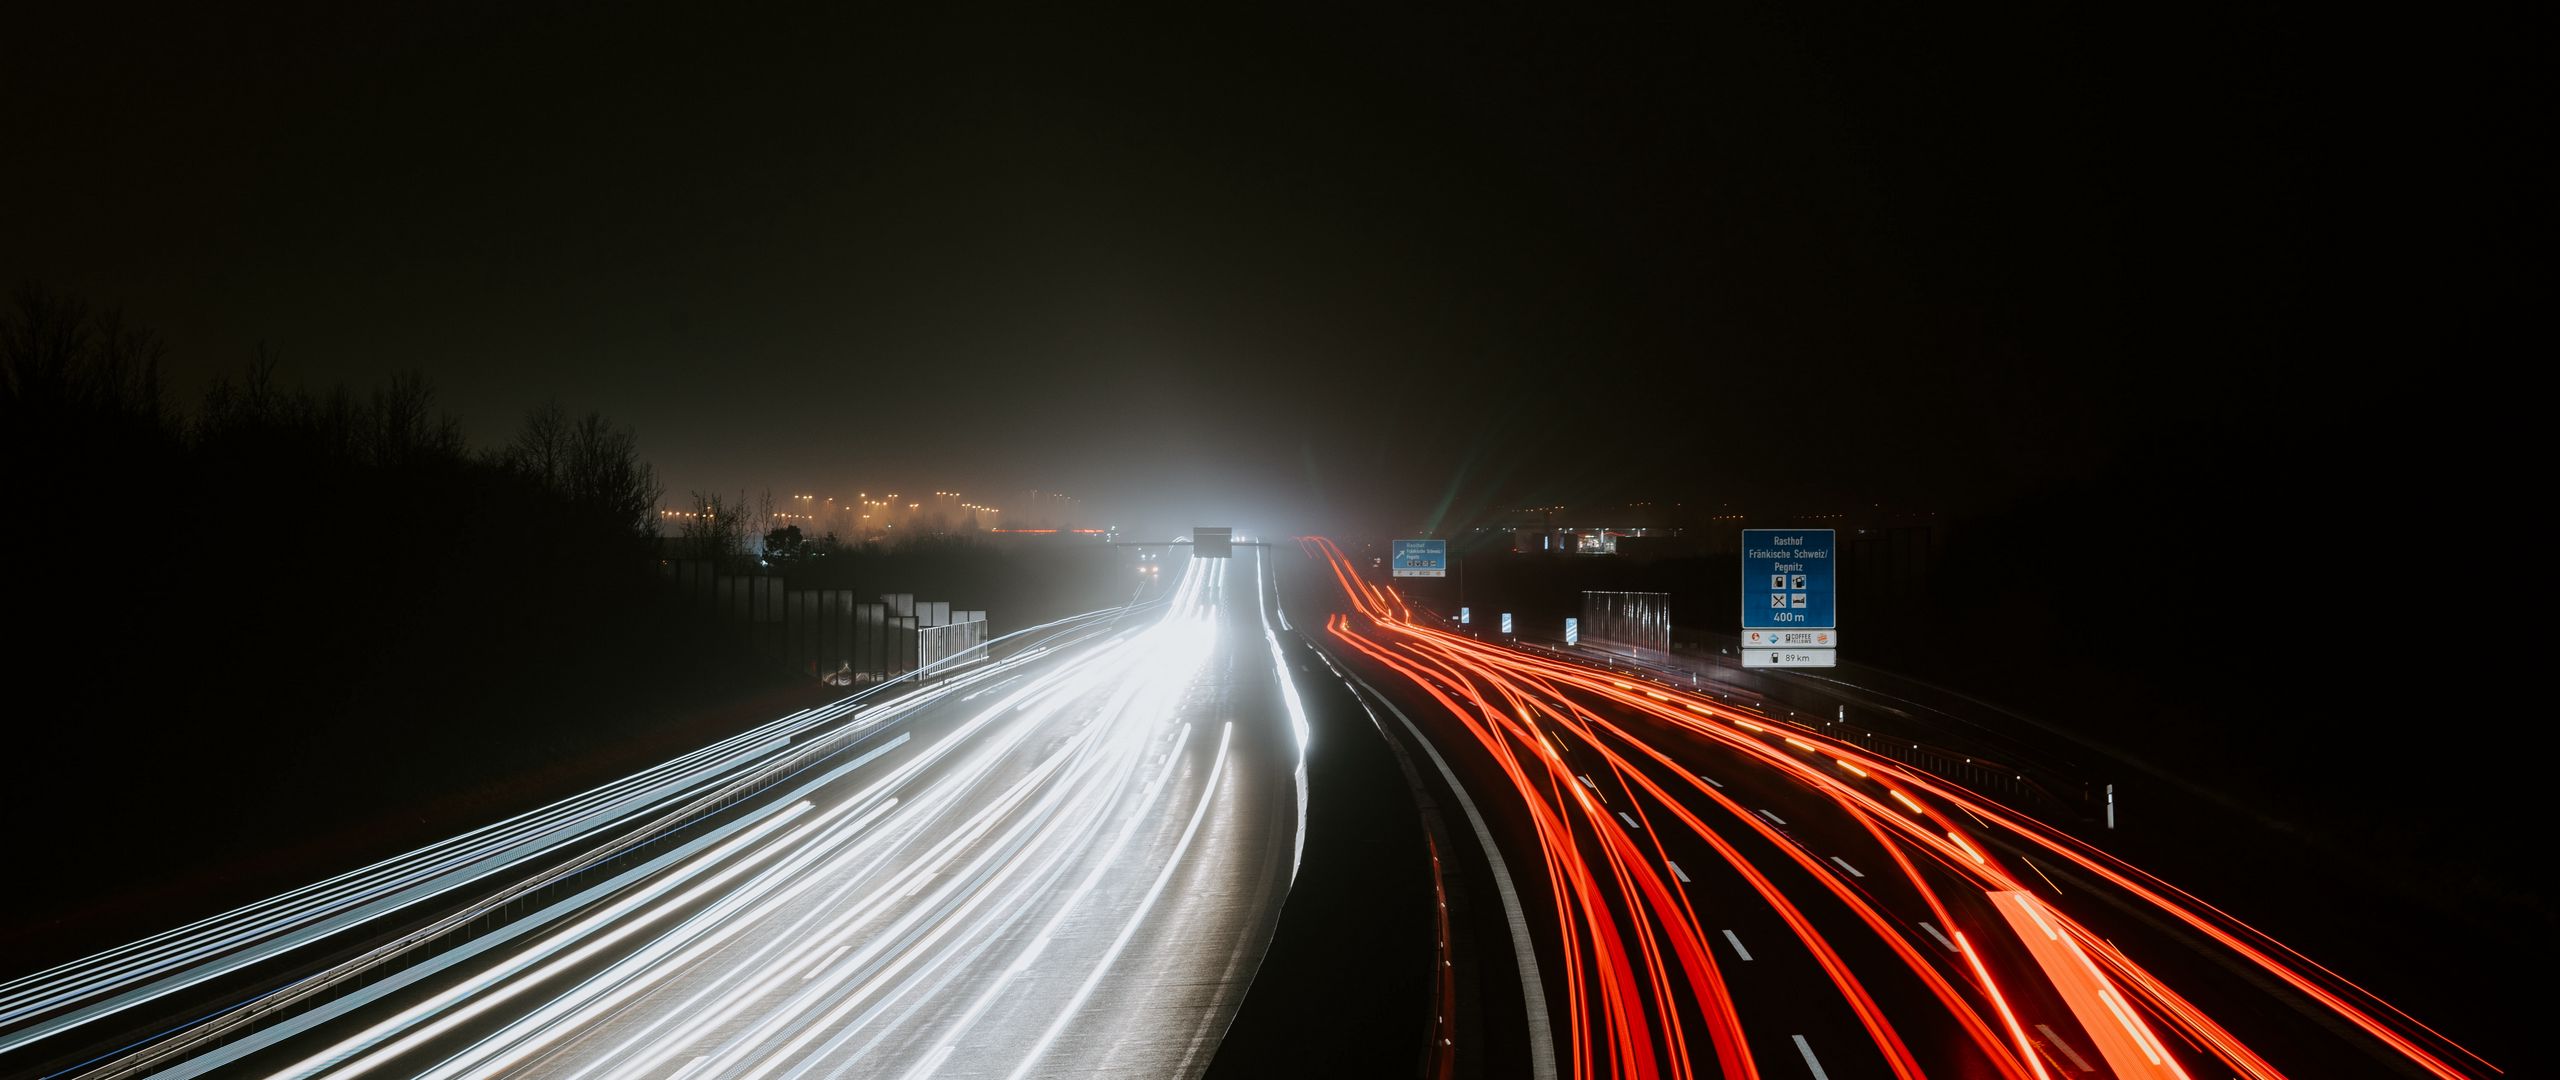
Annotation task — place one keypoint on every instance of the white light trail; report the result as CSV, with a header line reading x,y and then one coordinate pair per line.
x,y
1209,794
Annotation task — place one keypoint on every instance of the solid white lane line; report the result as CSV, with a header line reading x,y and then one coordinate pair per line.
x,y
1289,698
1738,950
2076,1060
1542,1047
1810,1061
821,965
1844,864
1675,871
1942,938
1773,818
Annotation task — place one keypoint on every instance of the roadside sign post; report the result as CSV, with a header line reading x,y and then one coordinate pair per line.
x,y
1790,600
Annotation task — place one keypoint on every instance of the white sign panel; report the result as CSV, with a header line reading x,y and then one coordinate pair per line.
x,y
1797,639
1755,658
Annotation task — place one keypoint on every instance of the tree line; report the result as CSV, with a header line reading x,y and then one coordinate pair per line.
x,y
273,597
84,401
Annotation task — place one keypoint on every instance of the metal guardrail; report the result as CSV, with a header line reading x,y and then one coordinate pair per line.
x,y
2010,779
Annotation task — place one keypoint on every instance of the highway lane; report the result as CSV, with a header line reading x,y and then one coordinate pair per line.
x,y
1718,891
1070,866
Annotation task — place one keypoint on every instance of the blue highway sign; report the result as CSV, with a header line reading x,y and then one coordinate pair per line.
x,y
1420,558
1787,581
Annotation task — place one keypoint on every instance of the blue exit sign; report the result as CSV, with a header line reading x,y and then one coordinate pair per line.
x,y
1787,579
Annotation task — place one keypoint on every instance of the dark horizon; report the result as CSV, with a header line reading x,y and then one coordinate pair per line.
x,y
1934,261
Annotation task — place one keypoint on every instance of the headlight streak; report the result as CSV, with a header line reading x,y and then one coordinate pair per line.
x,y
1073,792
1898,826
1047,693
1208,796
504,1050
801,934
348,1000
496,980
1182,643
1156,664
990,936
748,982
1044,692
252,934
900,887
943,911
165,963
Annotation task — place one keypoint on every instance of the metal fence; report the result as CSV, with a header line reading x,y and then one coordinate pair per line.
x,y
961,641
1636,624
833,634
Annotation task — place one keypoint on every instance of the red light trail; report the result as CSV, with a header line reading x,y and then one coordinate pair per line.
x,y
1642,991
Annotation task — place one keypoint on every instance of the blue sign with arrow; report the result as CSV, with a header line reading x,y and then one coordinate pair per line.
x,y
1420,558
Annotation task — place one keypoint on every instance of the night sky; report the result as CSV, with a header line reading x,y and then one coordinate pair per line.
x,y
1318,269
